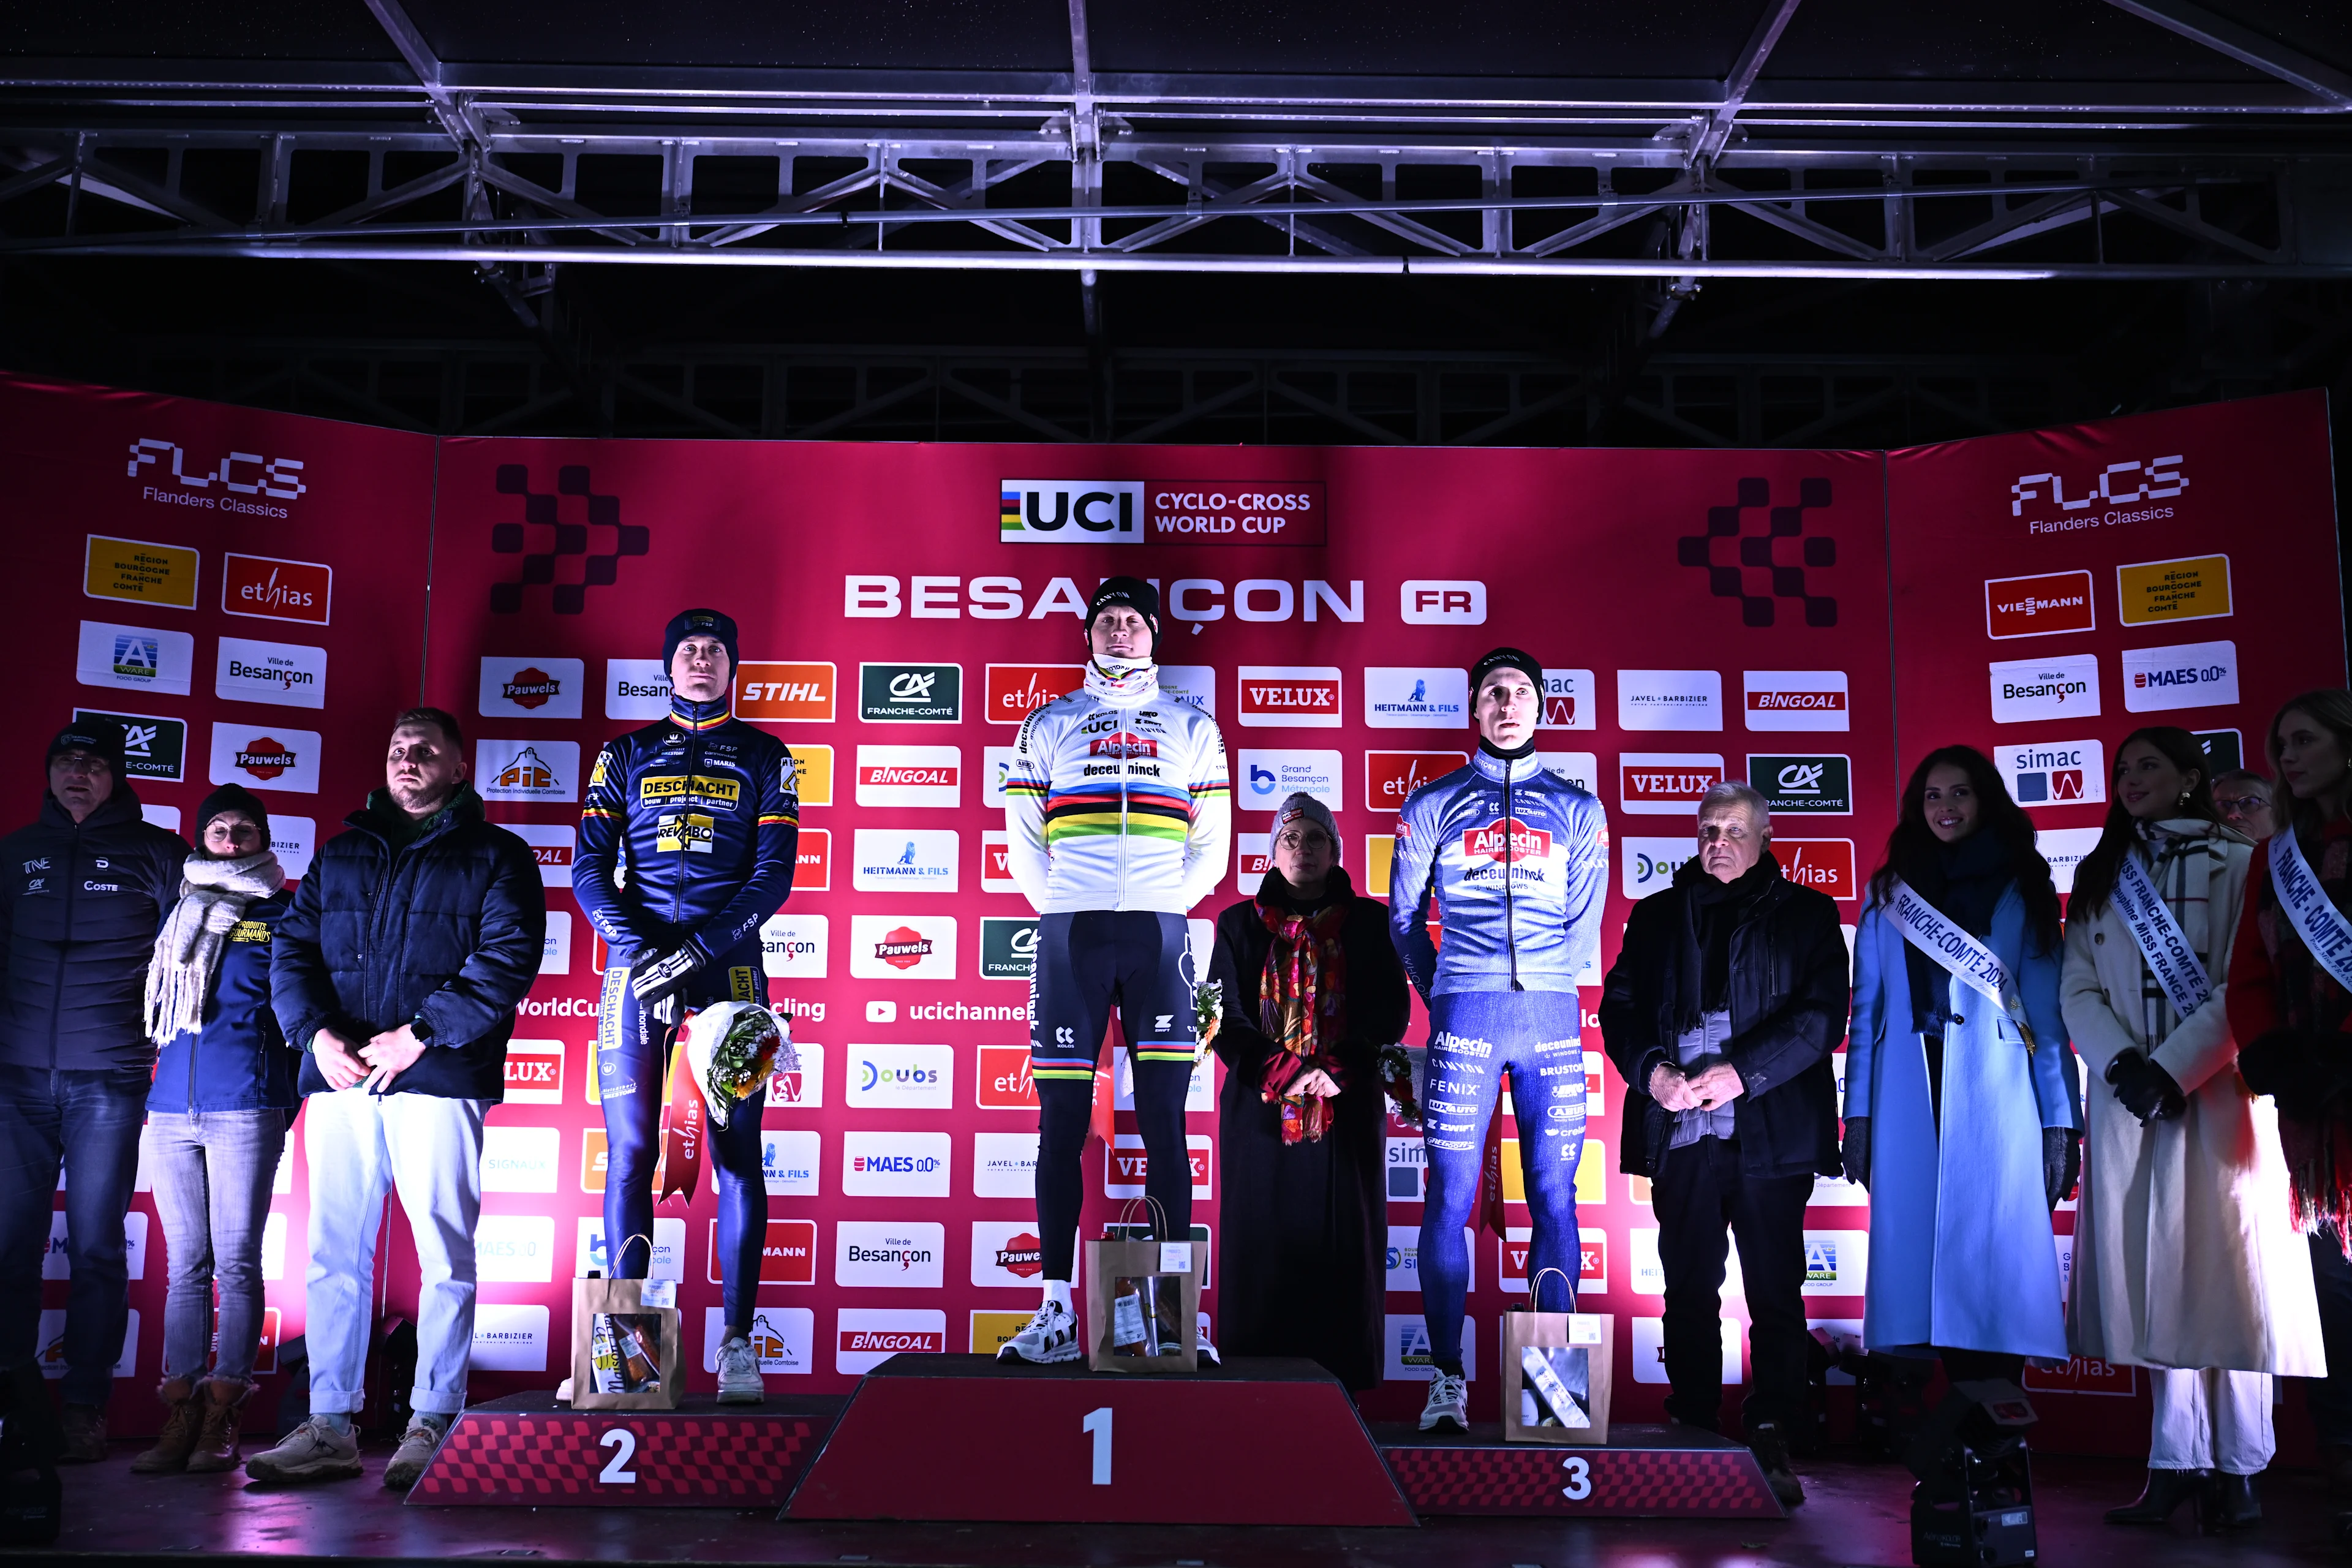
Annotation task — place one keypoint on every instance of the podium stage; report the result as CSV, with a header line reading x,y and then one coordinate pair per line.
x,y
1642,1472
527,1448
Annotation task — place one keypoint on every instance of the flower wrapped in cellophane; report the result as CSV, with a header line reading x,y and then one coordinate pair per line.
x,y
733,1048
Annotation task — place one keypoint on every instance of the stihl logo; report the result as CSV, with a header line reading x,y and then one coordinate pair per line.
x,y
778,691
1390,777
1018,690
1823,864
887,1341
1502,838
1123,744
1004,1080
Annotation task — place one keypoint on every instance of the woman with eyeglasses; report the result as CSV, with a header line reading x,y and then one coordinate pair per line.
x,y
1311,989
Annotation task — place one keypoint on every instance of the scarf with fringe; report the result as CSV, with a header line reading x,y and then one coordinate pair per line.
x,y
2315,1138
212,896
1302,1008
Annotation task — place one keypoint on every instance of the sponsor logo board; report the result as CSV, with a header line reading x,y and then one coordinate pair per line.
x,y
135,659
909,947
1194,685
636,690
905,860
1123,1171
1013,691
669,1256
292,839
910,775
2065,848
895,1164
139,572
805,1090
789,1157
1570,702
514,1248
1404,1259
910,693
1005,1164
812,861
866,1337
794,946
1404,1348
784,1338
1003,1081
1246,511
1006,1254
555,951
1277,696
276,757
785,691
1581,769
552,845
1442,602
1263,780
1814,784
1008,948
508,1338
513,688
787,1254
889,1254
2039,605
1070,511
2157,592
1779,700
1825,865
534,1075
1647,865
1390,777
901,1078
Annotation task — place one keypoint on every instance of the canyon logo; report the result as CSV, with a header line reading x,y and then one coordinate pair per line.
x,y
1283,695
2043,606
1013,691
1667,783
268,589
563,523
1766,569
527,687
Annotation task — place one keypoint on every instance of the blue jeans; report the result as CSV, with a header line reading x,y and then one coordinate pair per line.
x,y
211,1171
86,1122
1473,1037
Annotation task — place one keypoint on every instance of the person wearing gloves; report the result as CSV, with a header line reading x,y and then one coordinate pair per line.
x,y
1728,992
1117,813
216,1121
2186,1258
1960,1111
1514,862
688,839
412,937
82,888
1312,991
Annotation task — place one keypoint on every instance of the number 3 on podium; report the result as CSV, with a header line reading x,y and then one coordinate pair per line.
x,y
1098,1424
1579,1478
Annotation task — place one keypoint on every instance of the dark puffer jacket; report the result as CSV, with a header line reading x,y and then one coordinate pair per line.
x,y
1789,988
80,907
446,929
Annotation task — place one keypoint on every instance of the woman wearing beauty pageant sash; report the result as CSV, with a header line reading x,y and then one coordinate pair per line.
x,y
2185,1261
1959,1103
2290,1006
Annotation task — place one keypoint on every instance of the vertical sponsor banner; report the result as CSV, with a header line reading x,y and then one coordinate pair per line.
x,y
244,592
2055,590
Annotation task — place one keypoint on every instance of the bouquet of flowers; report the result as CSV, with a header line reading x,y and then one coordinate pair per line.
x,y
1401,1069
733,1047
1208,1015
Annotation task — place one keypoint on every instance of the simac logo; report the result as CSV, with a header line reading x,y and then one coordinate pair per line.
x,y
2053,772
239,473
2118,484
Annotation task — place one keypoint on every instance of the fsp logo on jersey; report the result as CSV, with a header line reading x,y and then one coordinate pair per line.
x,y
910,693
1390,777
135,659
528,770
1276,695
1013,691
2188,674
910,775
1667,783
2053,772
2025,689
780,691
1070,511
1796,698
528,688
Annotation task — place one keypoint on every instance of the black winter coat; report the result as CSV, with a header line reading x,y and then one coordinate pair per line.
x,y
79,908
446,930
1789,985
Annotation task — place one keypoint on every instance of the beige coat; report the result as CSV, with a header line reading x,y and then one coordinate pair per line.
x,y
2184,1255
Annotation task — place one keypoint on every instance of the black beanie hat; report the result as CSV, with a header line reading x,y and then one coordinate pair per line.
x,y
233,798
699,624
1504,658
1134,594
102,738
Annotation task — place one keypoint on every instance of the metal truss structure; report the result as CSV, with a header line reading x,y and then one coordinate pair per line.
x,y
521,169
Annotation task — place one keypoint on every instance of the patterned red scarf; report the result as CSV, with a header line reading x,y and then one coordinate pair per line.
x,y
1302,1008
2315,1138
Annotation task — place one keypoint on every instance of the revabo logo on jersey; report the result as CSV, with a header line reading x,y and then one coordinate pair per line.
x,y
535,1075
2053,772
1008,948
157,748
893,1254
527,770
1304,696
273,590
2187,675
1390,777
1006,1253
1005,1164
636,690
902,947
2039,606
784,691
1667,783
272,758
1669,699
866,1337
1013,691
1414,698
1817,784
1647,865
2025,689
1795,699
1264,780
1069,512
1442,602
1824,865
1569,700
910,693
792,946
527,687
904,860
901,1078
135,659
286,674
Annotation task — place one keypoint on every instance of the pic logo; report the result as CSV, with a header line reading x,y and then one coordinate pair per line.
x,y
1761,570
526,771
593,518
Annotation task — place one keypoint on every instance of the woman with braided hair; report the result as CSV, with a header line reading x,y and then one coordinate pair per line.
x,y
1311,989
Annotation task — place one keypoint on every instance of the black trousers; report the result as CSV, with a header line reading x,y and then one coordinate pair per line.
x,y
1698,1194
2329,1398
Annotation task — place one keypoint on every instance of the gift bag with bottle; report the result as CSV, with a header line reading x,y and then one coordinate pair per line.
x,y
1555,1372
1143,1301
626,1342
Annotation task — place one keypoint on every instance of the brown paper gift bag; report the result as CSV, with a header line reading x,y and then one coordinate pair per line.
x,y
1143,1302
1556,1375
625,1343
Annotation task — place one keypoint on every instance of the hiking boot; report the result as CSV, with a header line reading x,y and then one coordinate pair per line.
x,y
183,1418
1770,1447
740,1382
313,1451
417,1446
81,1431
224,1406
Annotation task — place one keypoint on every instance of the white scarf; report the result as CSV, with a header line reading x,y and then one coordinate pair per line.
x,y
1122,682
212,896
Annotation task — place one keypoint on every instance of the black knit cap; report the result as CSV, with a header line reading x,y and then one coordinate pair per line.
x,y
233,798
1502,658
1131,593
99,737
699,624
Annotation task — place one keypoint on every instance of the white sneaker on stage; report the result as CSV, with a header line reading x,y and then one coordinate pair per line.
x,y
1051,1335
739,1373
1449,1401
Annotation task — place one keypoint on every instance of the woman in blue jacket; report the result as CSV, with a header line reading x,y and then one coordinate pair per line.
x,y
1961,1107
217,1122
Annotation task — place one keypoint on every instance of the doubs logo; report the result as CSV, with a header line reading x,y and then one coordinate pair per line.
x,y
1004,1080
1023,1255
1390,777
1123,744
1506,838
266,757
1016,691
1825,865
531,686
276,590
903,947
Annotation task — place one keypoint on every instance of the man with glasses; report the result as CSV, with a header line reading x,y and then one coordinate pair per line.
x,y
2243,796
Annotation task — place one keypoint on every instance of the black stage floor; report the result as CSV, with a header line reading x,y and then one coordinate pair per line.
x,y
1856,1515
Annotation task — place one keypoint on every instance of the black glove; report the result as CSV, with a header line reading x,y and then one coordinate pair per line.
x,y
2144,1089
2062,1162
656,977
1857,1151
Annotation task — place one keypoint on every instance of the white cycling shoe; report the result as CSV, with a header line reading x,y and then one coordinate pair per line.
x,y
1449,1403
1050,1335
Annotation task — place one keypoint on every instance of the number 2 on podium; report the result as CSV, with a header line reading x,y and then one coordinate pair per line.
x,y
1097,1424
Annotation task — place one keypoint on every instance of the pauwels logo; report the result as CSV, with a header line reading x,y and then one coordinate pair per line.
x,y
902,947
1795,699
2025,689
910,693
1016,691
526,688
1667,783
1276,695
274,589
1390,777
1069,512
275,758
2053,772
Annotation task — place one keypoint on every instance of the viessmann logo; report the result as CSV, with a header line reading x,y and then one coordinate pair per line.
x,y
2040,605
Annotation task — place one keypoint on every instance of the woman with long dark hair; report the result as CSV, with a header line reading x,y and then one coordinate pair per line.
x,y
2184,1260
2290,1006
1960,1111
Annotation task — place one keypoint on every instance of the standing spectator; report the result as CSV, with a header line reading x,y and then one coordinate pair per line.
x,y
1312,991
1727,995
216,1120
2243,796
81,890
410,943
1960,1111
2185,1261
2290,1004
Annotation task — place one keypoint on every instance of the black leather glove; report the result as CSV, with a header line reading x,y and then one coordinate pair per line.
x,y
2062,1162
1857,1151
2144,1089
657,976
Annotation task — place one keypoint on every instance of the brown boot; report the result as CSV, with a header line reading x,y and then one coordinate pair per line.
x,y
170,1454
223,1405
82,1431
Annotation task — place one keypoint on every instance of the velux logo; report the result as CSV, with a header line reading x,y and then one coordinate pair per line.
x,y
1273,695
1667,783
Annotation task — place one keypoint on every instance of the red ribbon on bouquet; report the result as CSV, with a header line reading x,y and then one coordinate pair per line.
x,y
685,1130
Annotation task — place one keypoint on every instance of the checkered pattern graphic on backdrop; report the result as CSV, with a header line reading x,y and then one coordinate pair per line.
x,y
1724,1483
500,1458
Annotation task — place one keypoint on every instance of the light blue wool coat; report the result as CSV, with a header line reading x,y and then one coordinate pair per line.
x,y
1961,1255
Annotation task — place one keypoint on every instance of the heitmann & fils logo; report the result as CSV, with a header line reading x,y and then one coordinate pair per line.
x,y
2053,772
906,859
593,520
2043,606
1761,570
910,693
1416,698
